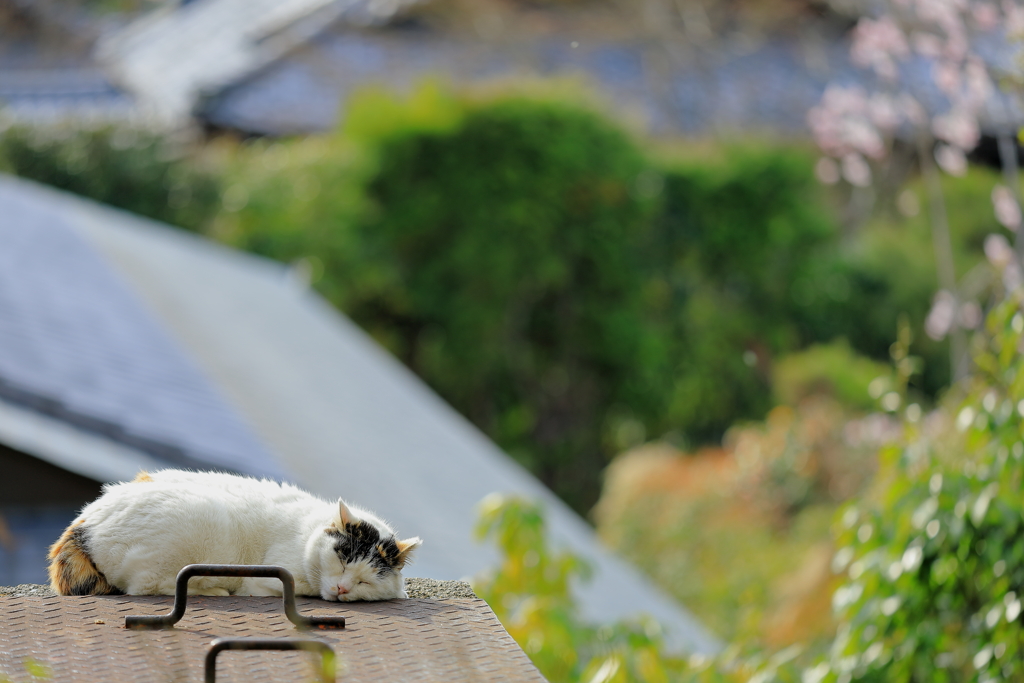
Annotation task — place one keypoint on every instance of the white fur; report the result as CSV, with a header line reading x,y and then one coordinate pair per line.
x,y
141,533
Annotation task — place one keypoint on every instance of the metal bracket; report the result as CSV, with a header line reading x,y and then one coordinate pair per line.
x,y
255,570
327,668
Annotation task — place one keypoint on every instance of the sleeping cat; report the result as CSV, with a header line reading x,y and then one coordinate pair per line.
x,y
136,537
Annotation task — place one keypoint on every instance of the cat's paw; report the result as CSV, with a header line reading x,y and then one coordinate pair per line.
x,y
210,591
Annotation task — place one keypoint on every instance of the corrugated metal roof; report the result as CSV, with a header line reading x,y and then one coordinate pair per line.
x,y
77,345
82,639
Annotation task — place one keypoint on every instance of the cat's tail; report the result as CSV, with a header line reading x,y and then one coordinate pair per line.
x,y
72,571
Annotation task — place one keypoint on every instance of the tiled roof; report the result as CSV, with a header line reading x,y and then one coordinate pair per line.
x,y
303,91
731,87
76,344
47,78
50,94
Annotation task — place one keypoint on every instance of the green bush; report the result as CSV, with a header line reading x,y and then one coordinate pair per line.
x,y
530,591
887,269
565,292
540,272
131,169
731,237
522,255
495,247
512,242
833,369
933,558
859,294
935,564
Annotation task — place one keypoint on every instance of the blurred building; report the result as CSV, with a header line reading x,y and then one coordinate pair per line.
x,y
128,345
282,67
279,68
48,72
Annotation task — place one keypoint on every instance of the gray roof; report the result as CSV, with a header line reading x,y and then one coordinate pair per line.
x,y
731,87
47,74
343,416
44,94
282,67
76,344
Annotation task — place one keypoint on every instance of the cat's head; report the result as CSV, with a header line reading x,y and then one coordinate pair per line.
x,y
361,561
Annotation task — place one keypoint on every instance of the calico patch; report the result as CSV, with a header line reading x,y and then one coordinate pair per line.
x,y
361,540
72,571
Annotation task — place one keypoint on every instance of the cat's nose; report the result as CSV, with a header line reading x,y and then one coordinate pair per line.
x,y
342,590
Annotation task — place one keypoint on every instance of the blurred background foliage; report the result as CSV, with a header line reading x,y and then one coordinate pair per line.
x,y
922,580
709,311
933,558
136,170
531,593
569,291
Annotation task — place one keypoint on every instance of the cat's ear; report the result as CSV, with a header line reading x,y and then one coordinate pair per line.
x,y
345,516
405,549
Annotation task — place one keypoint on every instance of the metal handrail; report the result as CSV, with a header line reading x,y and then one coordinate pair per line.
x,y
327,666
254,570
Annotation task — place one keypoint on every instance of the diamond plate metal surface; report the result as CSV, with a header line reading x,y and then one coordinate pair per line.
x,y
84,639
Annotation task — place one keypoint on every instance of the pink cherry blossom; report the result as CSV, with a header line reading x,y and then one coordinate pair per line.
x,y
850,99
878,43
841,124
912,110
856,170
884,112
942,315
935,11
998,251
958,127
951,160
1006,208
1013,19
978,83
985,15
946,75
926,44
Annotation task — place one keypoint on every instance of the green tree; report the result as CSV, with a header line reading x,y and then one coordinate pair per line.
x,y
935,563
731,238
135,170
568,294
513,241
531,592
496,247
